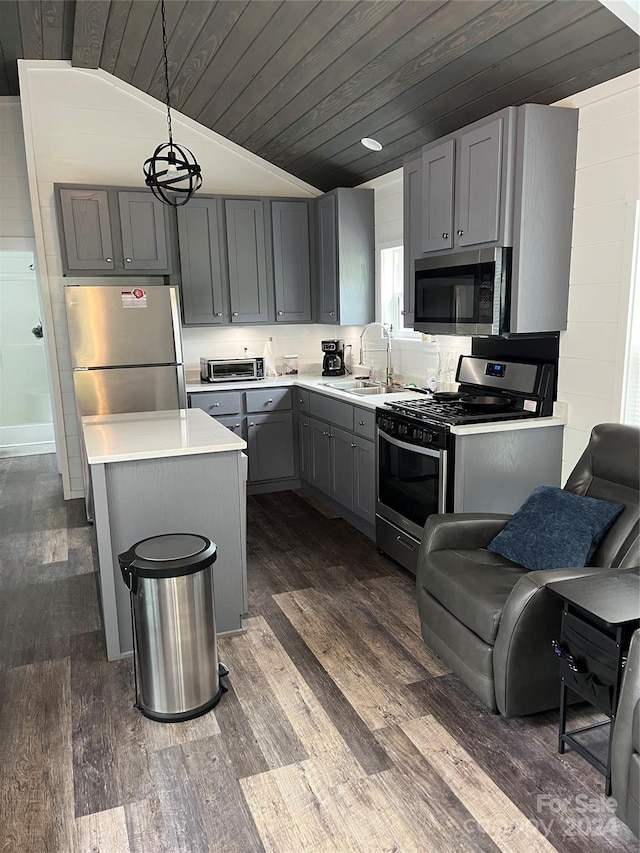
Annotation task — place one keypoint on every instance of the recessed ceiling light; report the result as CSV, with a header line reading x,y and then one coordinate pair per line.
x,y
373,144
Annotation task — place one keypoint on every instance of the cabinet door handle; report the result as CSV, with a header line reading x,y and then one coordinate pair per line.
x,y
216,405
219,314
235,313
326,433
360,423
459,232
354,445
251,423
280,313
128,260
403,313
300,400
269,400
305,425
445,234
109,260
237,426
331,313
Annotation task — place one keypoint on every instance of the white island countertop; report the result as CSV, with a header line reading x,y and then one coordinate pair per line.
x,y
153,435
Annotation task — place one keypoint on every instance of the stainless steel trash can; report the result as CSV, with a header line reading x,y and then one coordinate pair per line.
x,y
176,666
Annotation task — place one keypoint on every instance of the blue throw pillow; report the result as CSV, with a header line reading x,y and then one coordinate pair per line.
x,y
555,529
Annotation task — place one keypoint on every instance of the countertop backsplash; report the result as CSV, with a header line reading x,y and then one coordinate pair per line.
x,y
413,360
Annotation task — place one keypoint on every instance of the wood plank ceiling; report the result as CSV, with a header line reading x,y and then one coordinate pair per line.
x,y
300,82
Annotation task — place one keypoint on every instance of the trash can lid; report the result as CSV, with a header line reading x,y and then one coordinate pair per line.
x,y
169,555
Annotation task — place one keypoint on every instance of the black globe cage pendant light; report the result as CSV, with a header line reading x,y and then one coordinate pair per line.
x,y
172,172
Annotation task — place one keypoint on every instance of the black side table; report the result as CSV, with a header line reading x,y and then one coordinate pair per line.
x,y
599,616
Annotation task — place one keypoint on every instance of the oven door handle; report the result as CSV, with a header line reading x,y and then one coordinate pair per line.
x,y
414,448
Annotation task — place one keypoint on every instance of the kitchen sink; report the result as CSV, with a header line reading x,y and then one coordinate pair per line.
x,y
361,387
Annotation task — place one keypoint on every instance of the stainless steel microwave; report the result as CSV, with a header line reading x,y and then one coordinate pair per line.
x,y
466,293
231,369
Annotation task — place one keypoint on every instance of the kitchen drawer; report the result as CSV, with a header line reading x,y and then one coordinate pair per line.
x,y
364,422
302,396
334,411
233,423
273,400
214,404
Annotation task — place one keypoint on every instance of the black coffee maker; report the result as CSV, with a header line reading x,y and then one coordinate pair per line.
x,y
333,361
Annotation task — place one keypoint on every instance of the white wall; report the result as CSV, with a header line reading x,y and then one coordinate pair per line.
x,y
85,126
15,207
607,186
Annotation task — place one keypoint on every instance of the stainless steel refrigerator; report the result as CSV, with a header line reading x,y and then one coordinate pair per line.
x,y
126,350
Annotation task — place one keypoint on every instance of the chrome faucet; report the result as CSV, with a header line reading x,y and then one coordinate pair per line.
x,y
385,337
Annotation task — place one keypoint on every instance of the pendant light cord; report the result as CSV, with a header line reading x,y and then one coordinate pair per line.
x,y
166,69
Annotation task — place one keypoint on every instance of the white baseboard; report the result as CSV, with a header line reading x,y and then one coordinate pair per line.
x,y
20,434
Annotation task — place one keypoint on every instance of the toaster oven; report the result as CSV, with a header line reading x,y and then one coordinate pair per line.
x,y
231,369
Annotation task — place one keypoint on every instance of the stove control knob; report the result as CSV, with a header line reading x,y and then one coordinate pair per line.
x,y
402,429
418,434
428,435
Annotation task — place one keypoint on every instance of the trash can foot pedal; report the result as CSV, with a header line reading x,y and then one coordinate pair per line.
x,y
222,669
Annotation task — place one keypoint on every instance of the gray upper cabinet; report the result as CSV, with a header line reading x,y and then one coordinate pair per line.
x,y
465,186
245,260
327,249
506,180
412,217
86,226
479,210
117,231
144,234
291,261
345,257
437,189
248,275
205,286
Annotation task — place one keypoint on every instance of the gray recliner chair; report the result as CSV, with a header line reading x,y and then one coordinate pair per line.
x,y
625,748
491,620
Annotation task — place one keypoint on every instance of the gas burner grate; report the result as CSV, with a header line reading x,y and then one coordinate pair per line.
x,y
451,413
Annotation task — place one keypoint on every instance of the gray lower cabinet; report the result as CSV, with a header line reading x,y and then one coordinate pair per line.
x,y
114,230
304,447
364,479
270,447
341,465
339,460
264,418
320,456
345,257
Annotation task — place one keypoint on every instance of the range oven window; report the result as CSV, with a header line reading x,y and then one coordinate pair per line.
x,y
408,480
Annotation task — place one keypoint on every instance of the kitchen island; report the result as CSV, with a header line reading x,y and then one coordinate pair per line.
x,y
166,472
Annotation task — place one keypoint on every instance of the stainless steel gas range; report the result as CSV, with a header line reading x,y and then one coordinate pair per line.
x,y
417,473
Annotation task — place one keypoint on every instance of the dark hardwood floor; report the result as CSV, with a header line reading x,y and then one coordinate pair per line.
x,y
340,731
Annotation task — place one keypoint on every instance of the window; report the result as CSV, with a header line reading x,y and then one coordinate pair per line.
x,y
392,291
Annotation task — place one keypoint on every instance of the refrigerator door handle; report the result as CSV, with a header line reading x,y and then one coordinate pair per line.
x,y
175,318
